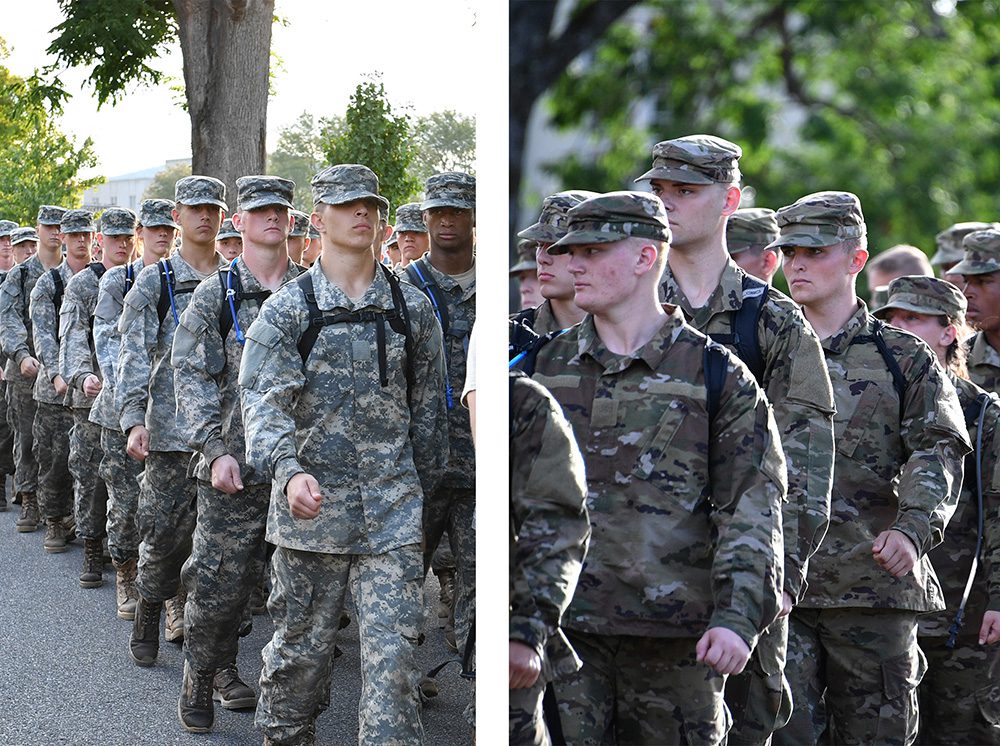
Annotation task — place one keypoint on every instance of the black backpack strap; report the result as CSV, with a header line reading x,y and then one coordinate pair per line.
x,y
745,325
308,338
57,296
716,369
98,269
400,323
898,379
129,277
166,288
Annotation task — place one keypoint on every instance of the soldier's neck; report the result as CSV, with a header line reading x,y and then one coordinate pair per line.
x,y
829,315
6,264
566,312
351,271
266,263
201,256
50,257
452,262
697,270
629,326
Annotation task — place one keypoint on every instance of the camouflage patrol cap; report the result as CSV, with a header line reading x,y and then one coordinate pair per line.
x,y
7,227
313,233
927,295
450,189
949,242
409,218
750,228
301,224
346,182
118,221
19,235
228,230
820,219
255,192
200,190
154,212
77,221
612,217
695,159
525,257
50,215
552,222
982,253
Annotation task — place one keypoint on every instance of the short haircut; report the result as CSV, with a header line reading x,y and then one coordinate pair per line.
x,y
902,260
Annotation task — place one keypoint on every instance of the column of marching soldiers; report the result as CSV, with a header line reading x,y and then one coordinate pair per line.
x,y
742,517
185,403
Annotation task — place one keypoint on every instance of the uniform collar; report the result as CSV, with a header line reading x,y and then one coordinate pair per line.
x,y
860,323
728,296
330,296
652,353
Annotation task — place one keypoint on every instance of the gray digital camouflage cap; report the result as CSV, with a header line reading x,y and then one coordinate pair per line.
x,y
409,217
228,230
200,190
346,182
820,219
553,221
612,217
301,225
525,257
450,189
50,215
313,233
118,221
695,159
255,192
7,227
78,221
949,242
982,253
750,228
927,295
154,212
20,235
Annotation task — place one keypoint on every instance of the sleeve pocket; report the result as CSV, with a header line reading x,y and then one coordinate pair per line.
x,y
261,340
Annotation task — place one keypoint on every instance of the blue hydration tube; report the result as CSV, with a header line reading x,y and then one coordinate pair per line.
x,y
449,395
230,296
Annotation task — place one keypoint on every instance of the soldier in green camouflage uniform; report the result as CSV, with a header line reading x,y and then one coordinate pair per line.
x,y
144,397
949,248
901,438
350,453
684,494
748,232
697,179
959,695
980,273
229,242
7,227
549,531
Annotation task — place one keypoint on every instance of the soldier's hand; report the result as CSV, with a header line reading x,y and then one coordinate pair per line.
x,y
723,650
92,385
29,367
525,665
138,443
989,633
786,604
894,551
60,385
226,475
303,496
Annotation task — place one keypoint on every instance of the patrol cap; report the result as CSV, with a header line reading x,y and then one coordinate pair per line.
x,y
409,218
949,242
525,257
313,233
301,225
820,219
750,228
552,222
450,189
7,227
50,215
77,221
19,235
118,221
346,182
982,253
927,295
695,159
393,239
200,190
154,212
228,230
612,217
254,192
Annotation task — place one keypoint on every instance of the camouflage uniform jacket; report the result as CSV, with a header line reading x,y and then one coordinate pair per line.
x,y
686,514
144,392
3,357
904,476
77,359
374,454
544,321
43,331
15,321
983,363
800,393
206,372
549,526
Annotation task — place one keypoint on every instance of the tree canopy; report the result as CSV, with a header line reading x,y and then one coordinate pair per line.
x,y
162,185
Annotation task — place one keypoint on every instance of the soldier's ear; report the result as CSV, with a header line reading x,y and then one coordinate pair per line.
x,y
649,253
949,334
859,257
237,220
733,196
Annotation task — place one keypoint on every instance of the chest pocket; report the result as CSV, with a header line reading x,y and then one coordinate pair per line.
x,y
657,444
870,435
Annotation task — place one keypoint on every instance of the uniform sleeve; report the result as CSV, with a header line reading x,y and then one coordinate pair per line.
x,y
75,359
43,325
107,312
991,503
13,334
428,407
139,327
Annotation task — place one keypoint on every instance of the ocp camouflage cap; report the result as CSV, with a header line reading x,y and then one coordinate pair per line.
x,y
552,221
255,192
982,253
949,242
612,217
450,189
927,295
50,215
154,212
409,218
77,221
695,159
19,235
525,257
301,225
228,230
7,227
200,190
118,221
750,228
820,219
346,182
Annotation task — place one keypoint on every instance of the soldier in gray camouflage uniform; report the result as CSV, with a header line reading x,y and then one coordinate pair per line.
x,y
229,242
7,227
228,552
901,438
410,232
298,239
980,273
748,232
313,248
25,243
144,397
351,454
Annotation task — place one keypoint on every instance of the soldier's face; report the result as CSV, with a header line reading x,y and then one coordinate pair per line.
x,y
696,212
956,280
450,228
157,241
311,251
78,245
117,249
395,256
230,247
413,244
267,226
6,250
351,225
925,326
199,223
49,236
983,294
819,273
527,288
603,274
554,280
296,245
24,251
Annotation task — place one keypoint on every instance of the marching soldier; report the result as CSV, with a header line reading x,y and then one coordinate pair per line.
x,y
980,273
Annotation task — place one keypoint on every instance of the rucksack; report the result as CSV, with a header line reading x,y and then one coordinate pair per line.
x,y
744,324
168,290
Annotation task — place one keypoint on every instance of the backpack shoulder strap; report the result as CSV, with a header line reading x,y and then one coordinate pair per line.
x,y
308,338
60,288
747,323
166,288
98,269
399,322
715,378
898,379
424,280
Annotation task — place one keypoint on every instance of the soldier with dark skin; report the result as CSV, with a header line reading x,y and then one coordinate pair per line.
x,y
949,249
980,273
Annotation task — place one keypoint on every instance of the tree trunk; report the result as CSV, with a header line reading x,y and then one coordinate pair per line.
x,y
227,53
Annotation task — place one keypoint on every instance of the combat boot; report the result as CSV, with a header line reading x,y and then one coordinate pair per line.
x,y
230,691
29,519
194,707
126,593
144,643
446,593
174,629
93,564
55,536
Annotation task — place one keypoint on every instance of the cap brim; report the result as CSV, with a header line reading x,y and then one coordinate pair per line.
x,y
118,232
203,201
679,175
157,223
808,240
943,257
522,266
229,234
738,247
459,204
80,229
410,227
970,267
343,199
904,306
22,240
542,233
48,222
267,200
577,238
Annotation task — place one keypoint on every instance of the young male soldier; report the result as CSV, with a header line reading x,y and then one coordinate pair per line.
x,y
697,180
684,493
410,232
392,251
229,242
525,274
79,368
228,552
333,365
298,239
748,232
22,366
7,229
24,241
120,473
949,249
313,248
54,417
900,439
980,273
145,400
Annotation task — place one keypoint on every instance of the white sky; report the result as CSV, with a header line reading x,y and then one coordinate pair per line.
x,y
423,51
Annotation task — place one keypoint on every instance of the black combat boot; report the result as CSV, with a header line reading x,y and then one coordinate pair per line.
x,y
230,690
144,643
194,707
93,564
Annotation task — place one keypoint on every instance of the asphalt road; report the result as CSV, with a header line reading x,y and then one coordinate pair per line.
x,y
66,678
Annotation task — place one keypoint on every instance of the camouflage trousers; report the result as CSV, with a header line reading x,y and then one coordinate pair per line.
x,y
305,605
854,675
165,520
21,408
226,563
453,510
760,698
51,448
960,693
90,495
641,690
120,473
526,723
6,434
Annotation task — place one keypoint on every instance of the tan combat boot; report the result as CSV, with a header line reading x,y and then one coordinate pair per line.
x,y
55,536
174,629
446,593
29,520
126,594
